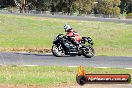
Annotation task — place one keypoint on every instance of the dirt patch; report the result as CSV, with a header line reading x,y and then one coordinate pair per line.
x,y
19,86
70,86
39,50
98,86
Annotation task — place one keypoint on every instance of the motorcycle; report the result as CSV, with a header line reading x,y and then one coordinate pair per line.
x,y
62,46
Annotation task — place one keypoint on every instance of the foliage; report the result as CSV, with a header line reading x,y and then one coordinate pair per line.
x,y
106,7
129,16
61,5
5,3
109,7
126,6
84,6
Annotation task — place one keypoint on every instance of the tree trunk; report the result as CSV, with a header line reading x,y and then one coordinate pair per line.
x,y
21,5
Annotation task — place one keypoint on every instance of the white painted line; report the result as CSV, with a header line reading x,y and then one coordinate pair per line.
x,y
30,65
102,67
73,66
23,52
111,67
128,68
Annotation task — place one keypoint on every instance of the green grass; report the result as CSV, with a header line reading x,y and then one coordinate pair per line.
x,y
38,32
36,75
48,76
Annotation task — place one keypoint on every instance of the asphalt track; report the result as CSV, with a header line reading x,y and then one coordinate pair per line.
x,y
29,59
81,18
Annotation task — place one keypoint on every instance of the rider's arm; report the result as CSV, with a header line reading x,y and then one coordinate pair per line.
x,y
69,34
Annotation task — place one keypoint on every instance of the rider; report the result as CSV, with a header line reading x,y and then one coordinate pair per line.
x,y
72,34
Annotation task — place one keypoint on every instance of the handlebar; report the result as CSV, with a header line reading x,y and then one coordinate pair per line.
x,y
59,35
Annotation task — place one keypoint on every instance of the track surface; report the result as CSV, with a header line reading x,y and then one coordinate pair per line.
x,y
116,20
50,60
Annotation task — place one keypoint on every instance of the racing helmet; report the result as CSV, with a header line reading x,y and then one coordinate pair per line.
x,y
67,28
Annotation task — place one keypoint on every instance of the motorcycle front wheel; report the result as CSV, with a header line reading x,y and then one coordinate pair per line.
x,y
57,50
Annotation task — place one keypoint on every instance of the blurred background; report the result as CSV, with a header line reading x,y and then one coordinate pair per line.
x,y
91,8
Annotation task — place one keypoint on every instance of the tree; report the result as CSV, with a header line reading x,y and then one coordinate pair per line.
x,y
21,4
109,7
126,6
6,3
83,6
64,6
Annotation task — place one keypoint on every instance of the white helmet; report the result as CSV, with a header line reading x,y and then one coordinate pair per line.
x,y
67,28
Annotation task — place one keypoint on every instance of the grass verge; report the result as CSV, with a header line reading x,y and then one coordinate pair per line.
x,y
114,39
50,75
